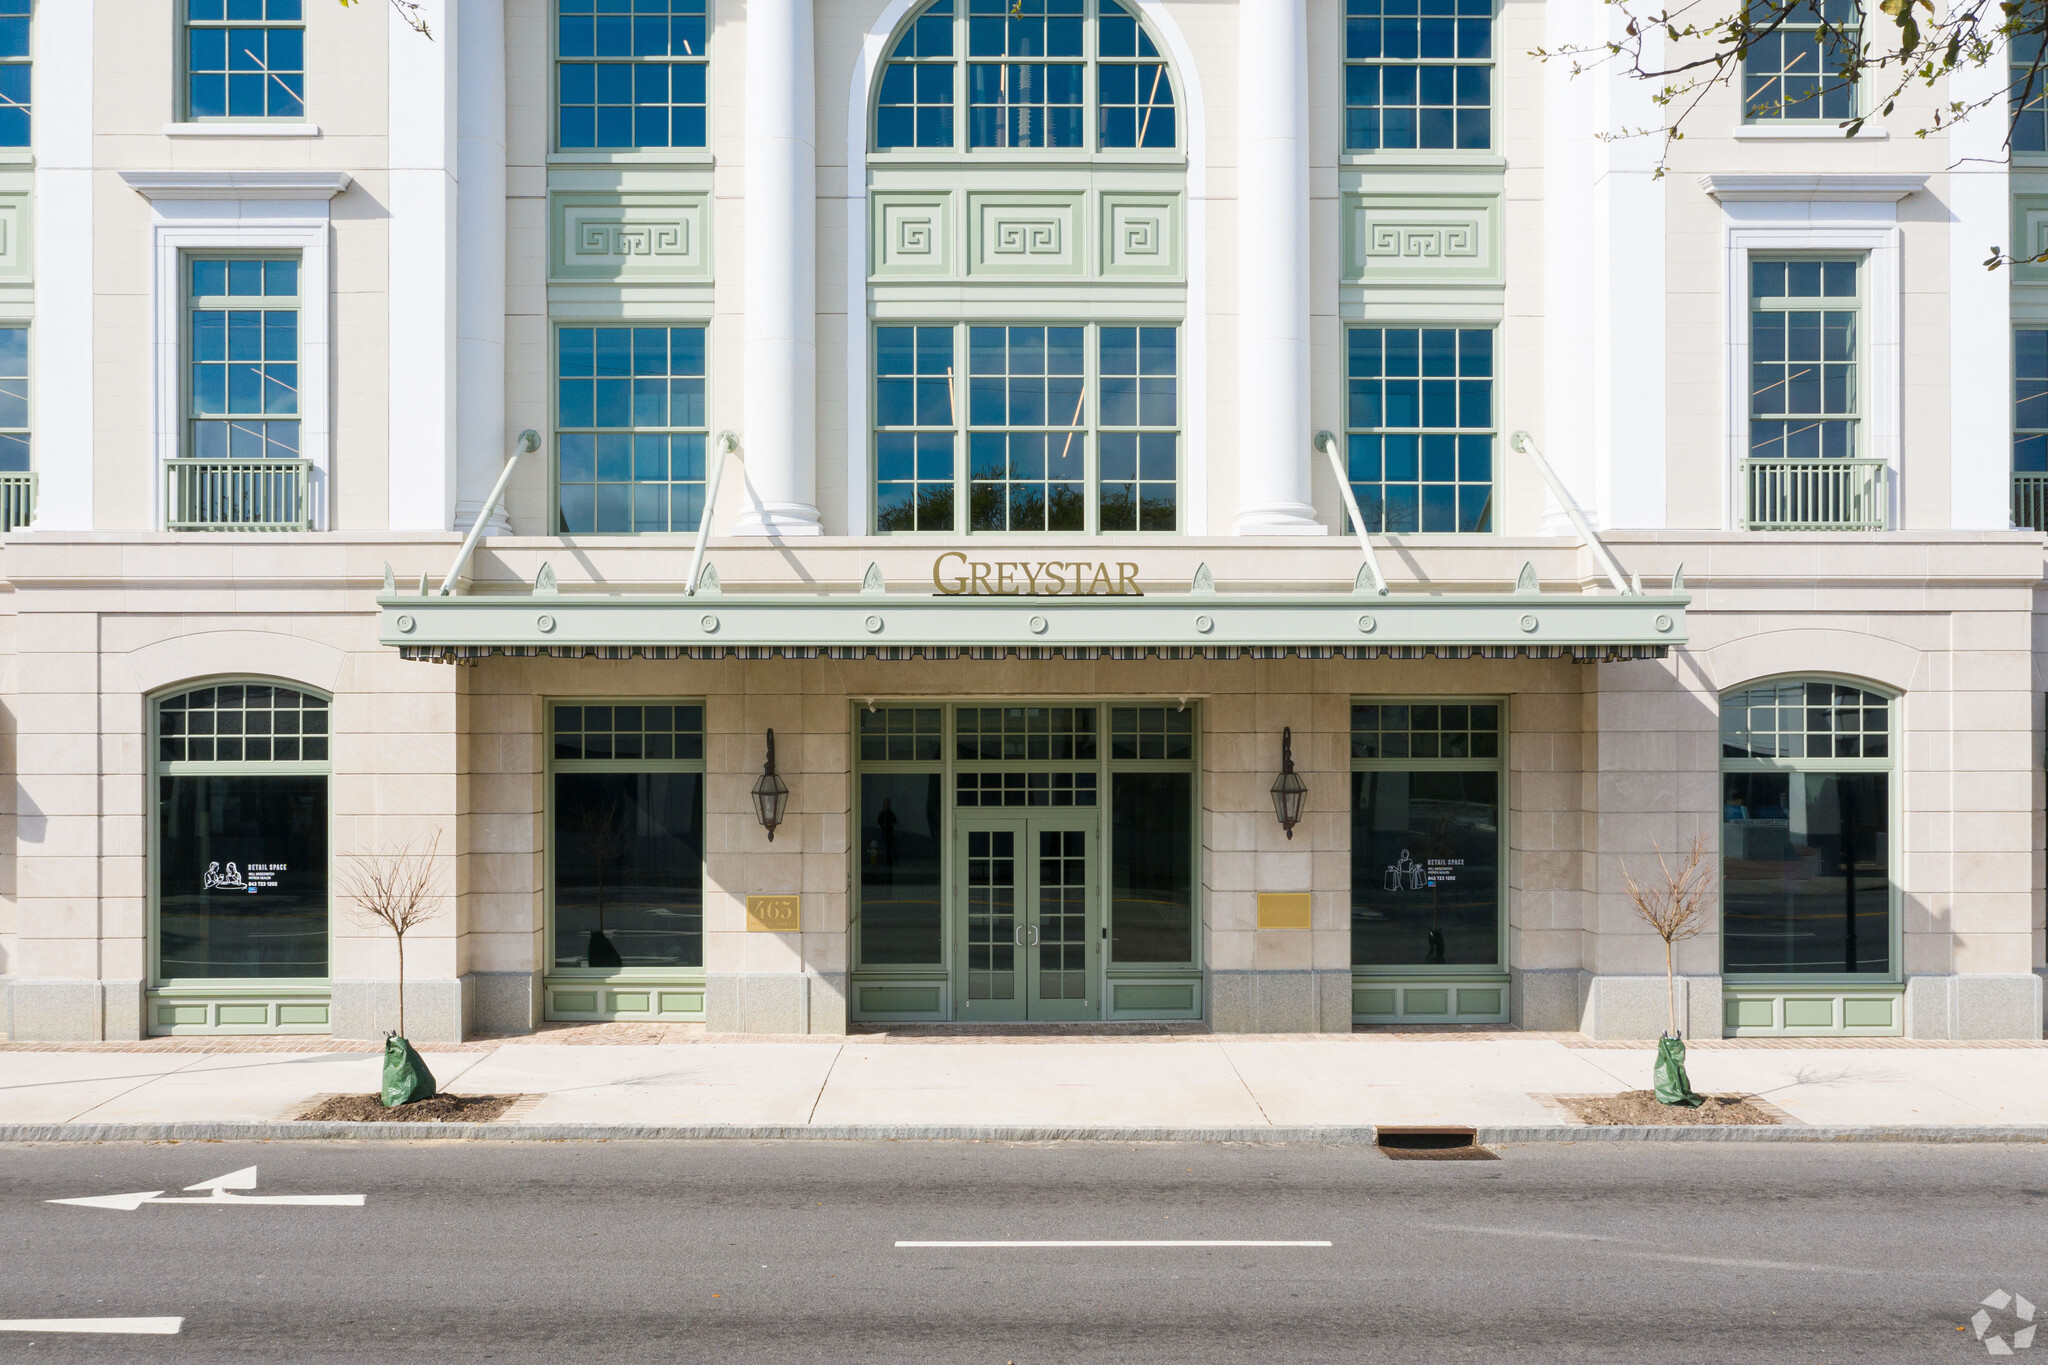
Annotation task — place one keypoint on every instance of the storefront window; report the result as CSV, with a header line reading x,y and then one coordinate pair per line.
x,y
628,836
1425,834
241,834
1806,829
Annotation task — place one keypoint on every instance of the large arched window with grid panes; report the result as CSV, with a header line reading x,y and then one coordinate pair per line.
x,y
1026,363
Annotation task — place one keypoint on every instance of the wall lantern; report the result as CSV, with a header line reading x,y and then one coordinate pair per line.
x,y
1289,791
771,793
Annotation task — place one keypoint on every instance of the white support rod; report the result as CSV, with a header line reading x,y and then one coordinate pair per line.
x,y
1525,444
727,444
1328,445
528,442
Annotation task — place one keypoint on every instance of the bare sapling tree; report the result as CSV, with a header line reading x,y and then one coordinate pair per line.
x,y
1675,906
396,890
409,11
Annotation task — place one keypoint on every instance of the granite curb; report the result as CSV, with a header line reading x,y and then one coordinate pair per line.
x,y
1337,1135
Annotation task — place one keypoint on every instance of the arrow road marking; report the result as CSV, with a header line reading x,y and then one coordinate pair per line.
x,y
141,1327
220,1191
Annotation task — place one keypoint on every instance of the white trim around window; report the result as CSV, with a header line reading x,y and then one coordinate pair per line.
x,y
1766,215
199,211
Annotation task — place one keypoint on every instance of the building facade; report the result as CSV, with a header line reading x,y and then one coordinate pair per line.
x,y
1005,510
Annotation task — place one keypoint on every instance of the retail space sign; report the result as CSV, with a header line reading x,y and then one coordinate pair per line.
x,y
774,914
255,877
955,575
1283,910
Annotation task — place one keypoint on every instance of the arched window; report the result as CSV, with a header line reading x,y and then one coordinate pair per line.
x,y
240,852
1037,73
1806,796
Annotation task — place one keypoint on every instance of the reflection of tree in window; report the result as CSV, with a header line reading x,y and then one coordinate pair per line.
x,y
604,836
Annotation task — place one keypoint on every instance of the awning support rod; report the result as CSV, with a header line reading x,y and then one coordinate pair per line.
x,y
1328,445
727,444
526,444
1525,444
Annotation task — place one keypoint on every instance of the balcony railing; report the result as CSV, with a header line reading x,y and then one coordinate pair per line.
x,y
17,500
1813,495
2030,501
237,495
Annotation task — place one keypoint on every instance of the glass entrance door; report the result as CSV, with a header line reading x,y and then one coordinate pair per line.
x,y
1027,919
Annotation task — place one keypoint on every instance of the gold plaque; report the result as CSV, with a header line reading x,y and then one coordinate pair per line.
x,y
774,914
1283,909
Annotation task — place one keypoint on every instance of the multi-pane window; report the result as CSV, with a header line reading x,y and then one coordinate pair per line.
x,y
1042,453
1792,71
900,734
14,428
2030,402
14,72
1803,353
629,74
2029,94
1420,427
245,59
630,428
1026,79
1418,74
242,723
244,358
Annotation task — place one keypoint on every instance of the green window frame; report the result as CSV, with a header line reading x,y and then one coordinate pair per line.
x,y
2030,401
1047,429
242,365
631,75
1789,73
1008,75
631,427
1452,751
1418,75
1420,434
1805,357
16,435
1810,824
244,60
17,72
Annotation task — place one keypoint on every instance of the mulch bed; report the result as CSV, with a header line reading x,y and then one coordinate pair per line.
x,y
440,1109
1641,1107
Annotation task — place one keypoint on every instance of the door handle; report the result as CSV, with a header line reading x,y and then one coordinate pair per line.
x,y
1020,936
1032,930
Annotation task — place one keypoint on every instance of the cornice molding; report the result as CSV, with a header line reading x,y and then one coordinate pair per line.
x,y
1833,189
156,185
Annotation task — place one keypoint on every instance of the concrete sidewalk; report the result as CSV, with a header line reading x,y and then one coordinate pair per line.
x,y
1194,1083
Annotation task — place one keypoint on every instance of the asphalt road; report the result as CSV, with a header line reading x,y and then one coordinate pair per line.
x,y
735,1251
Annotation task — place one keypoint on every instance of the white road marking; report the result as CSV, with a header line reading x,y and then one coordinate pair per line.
x,y
141,1327
1186,1243
220,1191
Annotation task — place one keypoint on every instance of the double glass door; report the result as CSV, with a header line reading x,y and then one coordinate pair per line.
x,y
1026,917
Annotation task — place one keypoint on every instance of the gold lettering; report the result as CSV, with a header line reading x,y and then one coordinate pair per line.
x,y
1003,588
1055,577
1031,577
980,573
1099,585
959,584
1127,580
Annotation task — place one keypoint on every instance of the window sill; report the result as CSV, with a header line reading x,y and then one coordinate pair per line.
x,y
1825,132
251,129
659,156
1029,156
1469,160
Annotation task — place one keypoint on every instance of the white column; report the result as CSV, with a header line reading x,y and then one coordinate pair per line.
x,y
60,362
1570,268
1628,483
422,297
480,260
1979,310
780,439
1273,451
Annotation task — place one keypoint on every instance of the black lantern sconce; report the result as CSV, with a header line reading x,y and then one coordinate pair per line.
x,y
1289,791
771,793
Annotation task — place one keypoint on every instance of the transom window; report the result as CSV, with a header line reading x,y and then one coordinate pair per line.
x,y
15,72
629,74
1040,455
1420,425
1803,356
1797,719
245,59
1002,733
1790,72
242,723
900,734
1027,78
1151,732
1425,730
629,730
985,789
244,367
630,429
1418,74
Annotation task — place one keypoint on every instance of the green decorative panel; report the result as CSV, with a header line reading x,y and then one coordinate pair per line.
x,y
1151,996
243,1014
258,1009
1425,1001
912,235
597,1001
1374,1000
573,1002
1406,239
1479,1000
169,1015
635,237
1026,235
17,262
1881,1013
899,999
629,1002
1749,1013
1141,236
682,1002
1809,1013
302,1014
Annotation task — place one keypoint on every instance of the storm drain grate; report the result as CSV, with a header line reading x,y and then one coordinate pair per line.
x,y
1433,1144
